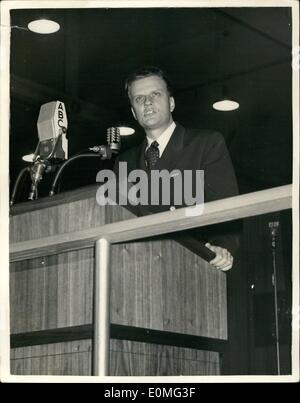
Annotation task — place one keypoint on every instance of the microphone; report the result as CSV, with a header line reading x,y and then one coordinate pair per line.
x,y
52,128
53,144
113,138
273,226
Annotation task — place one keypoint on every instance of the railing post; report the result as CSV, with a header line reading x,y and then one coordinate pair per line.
x,y
101,308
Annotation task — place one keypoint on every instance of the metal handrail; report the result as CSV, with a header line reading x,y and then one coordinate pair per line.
x,y
233,208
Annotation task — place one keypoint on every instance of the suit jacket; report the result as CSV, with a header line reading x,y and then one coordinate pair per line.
x,y
193,150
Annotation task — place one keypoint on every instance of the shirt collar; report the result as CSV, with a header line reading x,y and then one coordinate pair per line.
x,y
163,139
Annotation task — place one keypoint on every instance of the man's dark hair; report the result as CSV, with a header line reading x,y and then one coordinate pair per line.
x,y
147,72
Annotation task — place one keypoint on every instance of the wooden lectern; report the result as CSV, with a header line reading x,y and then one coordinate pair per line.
x,y
167,305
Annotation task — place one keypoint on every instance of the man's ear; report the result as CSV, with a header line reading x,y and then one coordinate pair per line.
x,y
172,104
132,110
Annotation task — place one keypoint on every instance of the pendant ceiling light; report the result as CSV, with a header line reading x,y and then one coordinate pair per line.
x,y
225,103
126,131
28,157
43,26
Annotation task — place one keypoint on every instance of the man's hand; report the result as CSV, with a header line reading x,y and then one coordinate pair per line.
x,y
223,260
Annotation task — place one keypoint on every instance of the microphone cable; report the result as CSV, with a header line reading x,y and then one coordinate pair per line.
x,y
104,152
16,185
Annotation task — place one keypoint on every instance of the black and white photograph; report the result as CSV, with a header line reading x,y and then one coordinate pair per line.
x,y
149,193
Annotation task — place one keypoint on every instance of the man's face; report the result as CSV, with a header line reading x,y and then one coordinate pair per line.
x,y
151,104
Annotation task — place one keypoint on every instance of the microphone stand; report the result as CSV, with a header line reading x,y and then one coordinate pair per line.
x,y
36,170
40,166
273,229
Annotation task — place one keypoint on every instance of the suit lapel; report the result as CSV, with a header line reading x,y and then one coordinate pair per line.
x,y
141,163
171,154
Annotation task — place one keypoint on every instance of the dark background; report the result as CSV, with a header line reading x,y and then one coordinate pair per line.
x,y
85,65
86,62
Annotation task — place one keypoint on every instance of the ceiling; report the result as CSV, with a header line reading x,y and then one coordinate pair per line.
x,y
86,63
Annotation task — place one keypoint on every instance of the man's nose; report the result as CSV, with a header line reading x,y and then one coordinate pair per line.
x,y
148,100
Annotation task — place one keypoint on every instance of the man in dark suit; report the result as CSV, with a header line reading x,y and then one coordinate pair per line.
x,y
168,145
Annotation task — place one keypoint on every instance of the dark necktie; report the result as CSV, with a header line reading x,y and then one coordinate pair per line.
x,y
152,155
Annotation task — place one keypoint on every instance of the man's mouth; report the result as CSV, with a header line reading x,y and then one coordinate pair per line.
x,y
149,112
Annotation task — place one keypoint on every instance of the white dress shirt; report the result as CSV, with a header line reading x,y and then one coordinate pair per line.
x,y
163,139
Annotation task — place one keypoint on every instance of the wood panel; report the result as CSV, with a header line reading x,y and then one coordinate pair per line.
x,y
134,358
127,359
63,219
175,290
50,292
157,285
85,192
71,358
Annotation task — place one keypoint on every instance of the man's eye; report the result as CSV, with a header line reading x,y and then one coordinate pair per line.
x,y
156,94
139,99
